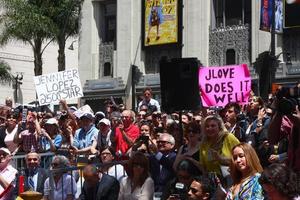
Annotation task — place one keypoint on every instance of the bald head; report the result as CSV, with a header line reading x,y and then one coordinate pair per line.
x,y
90,174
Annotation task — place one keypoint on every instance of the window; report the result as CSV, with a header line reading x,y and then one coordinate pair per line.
x,y
231,12
107,69
230,57
110,25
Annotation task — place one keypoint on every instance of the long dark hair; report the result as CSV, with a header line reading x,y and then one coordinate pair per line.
x,y
143,161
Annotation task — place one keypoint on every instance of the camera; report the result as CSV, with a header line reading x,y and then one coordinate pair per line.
x,y
143,139
180,192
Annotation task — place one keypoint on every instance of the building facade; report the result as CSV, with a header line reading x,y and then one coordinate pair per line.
x,y
20,58
217,32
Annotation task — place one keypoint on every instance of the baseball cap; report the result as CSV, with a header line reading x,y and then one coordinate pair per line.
x,y
104,121
5,150
88,115
52,121
100,113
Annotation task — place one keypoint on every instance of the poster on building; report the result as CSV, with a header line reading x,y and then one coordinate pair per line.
x,y
224,84
266,15
291,13
50,88
160,19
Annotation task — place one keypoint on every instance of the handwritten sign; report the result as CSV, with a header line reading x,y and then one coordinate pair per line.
x,y
221,85
52,87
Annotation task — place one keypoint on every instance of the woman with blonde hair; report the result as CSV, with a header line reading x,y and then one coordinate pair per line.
x,y
216,145
245,170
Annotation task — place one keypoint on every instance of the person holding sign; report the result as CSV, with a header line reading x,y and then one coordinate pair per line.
x,y
216,145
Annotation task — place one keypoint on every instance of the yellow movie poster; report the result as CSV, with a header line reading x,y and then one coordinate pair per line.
x,y
161,22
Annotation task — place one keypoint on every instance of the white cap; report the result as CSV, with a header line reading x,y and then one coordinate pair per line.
x,y
88,115
52,121
5,150
104,121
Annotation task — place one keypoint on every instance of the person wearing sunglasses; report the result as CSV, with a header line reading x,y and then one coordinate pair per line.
x,y
63,185
138,185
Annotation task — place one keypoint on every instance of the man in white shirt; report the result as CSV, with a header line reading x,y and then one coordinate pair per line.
x,y
152,104
62,185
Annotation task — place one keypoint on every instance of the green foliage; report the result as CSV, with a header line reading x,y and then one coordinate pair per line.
x,y
5,75
25,20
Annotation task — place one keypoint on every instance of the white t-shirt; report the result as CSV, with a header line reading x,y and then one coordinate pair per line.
x,y
145,192
9,140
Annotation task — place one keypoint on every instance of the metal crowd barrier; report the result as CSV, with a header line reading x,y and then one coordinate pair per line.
x,y
76,174
19,163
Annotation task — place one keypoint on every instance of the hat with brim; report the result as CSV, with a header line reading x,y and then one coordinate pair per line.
x,y
104,121
52,121
87,115
5,150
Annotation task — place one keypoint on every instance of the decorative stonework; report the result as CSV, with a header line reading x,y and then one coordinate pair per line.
x,y
106,54
153,57
18,57
235,37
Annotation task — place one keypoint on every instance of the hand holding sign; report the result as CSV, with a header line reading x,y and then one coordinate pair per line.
x,y
221,85
53,87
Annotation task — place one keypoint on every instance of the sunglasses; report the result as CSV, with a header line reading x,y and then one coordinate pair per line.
x,y
137,165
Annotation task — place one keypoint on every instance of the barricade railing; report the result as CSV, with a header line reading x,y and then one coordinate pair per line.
x,y
76,175
19,163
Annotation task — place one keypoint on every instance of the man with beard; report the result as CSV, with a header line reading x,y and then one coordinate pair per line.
x,y
7,175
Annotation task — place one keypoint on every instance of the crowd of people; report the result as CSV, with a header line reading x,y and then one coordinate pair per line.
x,y
236,152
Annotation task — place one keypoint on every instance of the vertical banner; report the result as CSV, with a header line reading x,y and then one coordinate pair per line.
x,y
291,13
224,84
266,15
52,87
160,22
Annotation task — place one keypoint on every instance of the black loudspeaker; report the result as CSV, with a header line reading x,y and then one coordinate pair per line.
x,y
179,84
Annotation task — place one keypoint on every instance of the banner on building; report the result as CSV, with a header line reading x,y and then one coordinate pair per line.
x,y
224,84
291,13
266,15
160,22
52,87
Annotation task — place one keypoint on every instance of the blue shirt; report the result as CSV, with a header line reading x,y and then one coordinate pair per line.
x,y
83,139
56,141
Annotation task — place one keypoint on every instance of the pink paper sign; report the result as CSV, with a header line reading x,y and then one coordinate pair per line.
x,y
224,84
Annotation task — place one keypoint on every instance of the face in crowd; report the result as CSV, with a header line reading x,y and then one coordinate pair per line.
x,y
165,143
103,128
33,160
4,159
106,156
212,128
127,118
196,192
240,161
230,115
145,130
147,95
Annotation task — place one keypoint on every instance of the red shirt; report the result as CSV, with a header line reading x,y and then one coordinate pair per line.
x,y
132,132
